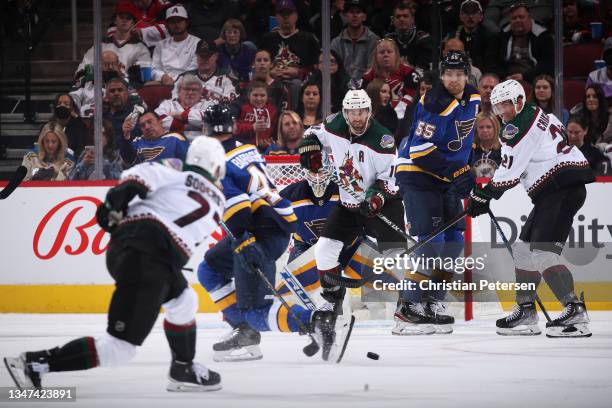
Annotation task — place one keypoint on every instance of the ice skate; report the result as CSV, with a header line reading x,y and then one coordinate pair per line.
x,y
242,344
411,319
573,322
443,323
192,377
523,321
27,369
332,328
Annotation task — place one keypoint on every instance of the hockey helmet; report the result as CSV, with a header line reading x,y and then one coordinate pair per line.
x,y
218,119
208,154
510,90
357,99
456,60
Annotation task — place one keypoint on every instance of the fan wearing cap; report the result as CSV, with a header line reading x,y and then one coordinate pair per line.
x,y
433,175
414,45
175,55
148,25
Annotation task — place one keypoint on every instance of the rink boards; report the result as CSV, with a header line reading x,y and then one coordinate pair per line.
x,y
53,251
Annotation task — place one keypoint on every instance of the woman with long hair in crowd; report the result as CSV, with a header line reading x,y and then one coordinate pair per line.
x,y
236,54
486,156
112,164
339,79
49,162
380,95
543,95
594,109
309,104
277,91
257,119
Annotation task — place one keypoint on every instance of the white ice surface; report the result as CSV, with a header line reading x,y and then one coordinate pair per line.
x,y
473,367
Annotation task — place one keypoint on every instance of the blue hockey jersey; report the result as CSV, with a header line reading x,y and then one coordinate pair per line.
x,y
311,211
253,204
440,139
140,150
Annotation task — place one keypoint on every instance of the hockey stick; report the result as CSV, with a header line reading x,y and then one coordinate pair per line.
x,y
339,280
14,182
297,289
509,248
310,349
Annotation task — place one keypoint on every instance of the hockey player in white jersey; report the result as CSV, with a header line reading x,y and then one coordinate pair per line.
x,y
535,153
156,215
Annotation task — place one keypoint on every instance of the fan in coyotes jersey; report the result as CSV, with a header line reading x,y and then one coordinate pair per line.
x,y
535,153
363,155
261,222
156,215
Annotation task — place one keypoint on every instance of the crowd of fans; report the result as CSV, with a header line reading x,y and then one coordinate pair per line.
x,y
264,57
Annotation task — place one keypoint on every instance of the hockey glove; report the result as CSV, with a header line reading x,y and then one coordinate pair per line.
x,y
478,202
462,180
249,253
112,210
373,203
311,156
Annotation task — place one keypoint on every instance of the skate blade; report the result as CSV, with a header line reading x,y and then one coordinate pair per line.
x,y
520,330
575,330
247,353
443,328
176,386
343,334
16,370
410,329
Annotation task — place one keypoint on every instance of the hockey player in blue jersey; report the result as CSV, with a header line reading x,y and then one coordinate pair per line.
x,y
433,175
261,222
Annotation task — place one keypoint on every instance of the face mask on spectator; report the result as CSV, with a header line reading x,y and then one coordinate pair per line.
x,y
62,112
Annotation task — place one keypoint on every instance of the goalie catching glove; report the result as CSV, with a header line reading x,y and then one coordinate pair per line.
x,y
111,212
249,253
373,203
311,155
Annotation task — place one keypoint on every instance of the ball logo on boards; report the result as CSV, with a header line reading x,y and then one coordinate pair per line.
x,y
69,210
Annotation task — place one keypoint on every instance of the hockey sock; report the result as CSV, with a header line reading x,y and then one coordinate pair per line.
x,y
439,276
182,340
561,282
79,354
523,276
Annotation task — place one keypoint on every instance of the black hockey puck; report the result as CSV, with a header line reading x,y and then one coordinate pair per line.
x,y
373,356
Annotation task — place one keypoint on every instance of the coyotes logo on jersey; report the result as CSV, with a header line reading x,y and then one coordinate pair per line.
x,y
285,58
349,174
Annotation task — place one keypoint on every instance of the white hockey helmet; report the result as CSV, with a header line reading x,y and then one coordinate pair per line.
x,y
208,154
319,181
509,90
357,99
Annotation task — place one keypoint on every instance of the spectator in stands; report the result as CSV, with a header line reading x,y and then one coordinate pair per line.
x,y
577,130
455,44
594,111
129,50
403,80
236,55
486,155
339,79
290,132
543,94
66,115
118,106
207,18
426,82
603,76
356,42
309,106
50,161
184,114
415,45
294,52
574,30
337,20
257,117
174,55
526,50
479,42
379,92
497,13
485,87
216,84
155,143
149,17
112,163
278,94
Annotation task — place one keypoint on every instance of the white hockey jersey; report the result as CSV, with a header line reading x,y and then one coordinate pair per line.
x,y
358,161
535,153
129,54
185,203
174,58
191,121
216,88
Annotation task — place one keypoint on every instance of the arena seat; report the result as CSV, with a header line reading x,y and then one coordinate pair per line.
x,y
153,95
573,91
578,59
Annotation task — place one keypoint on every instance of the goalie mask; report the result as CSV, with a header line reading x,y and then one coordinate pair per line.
x,y
357,111
319,181
509,90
